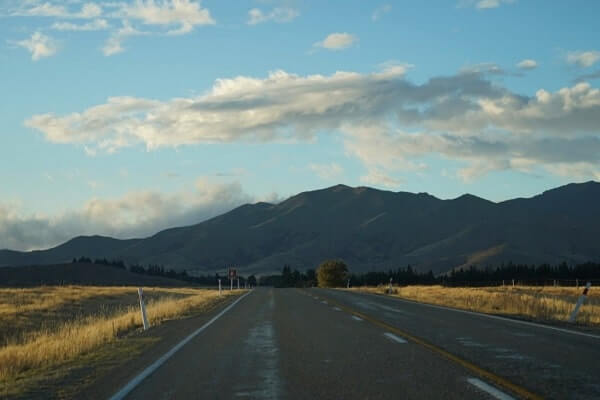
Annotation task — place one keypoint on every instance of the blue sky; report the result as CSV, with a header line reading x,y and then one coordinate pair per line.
x,y
124,118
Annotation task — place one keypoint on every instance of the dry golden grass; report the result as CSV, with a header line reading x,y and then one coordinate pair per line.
x,y
45,348
538,303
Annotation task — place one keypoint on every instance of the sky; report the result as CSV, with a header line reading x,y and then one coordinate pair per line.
x,y
123,118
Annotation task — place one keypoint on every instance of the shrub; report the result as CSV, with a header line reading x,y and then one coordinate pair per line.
x,y
332,273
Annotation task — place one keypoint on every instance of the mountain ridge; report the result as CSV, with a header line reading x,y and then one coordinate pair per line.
x,y
369,228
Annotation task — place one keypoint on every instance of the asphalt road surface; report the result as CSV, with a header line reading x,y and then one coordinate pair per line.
x,y
329,344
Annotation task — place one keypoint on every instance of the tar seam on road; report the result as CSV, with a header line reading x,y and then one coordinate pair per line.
x,y
490,376
492,391
125,390
516,321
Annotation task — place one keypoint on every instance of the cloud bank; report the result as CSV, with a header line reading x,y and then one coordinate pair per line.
x,y
385,120
136,214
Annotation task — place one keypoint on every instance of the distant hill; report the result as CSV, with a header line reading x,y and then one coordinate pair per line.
x,y
79,274
370,229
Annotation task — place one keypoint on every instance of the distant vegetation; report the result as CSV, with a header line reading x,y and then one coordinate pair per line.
x,y
336,273
332,273
159,270
290,278
544,274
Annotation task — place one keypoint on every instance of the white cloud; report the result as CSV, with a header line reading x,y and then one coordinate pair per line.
x,y
136,214
49,9
39,45
114,44
331,171
381,11
583,58
159,17
186,14
278,14
527,64
337,41
386,121
483,4
376,177
95,25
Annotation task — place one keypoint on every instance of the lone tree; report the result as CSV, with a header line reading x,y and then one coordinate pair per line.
x,y
332,273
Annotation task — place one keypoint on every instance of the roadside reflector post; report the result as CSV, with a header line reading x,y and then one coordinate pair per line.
x,y
513,282
576,283
238,282
580,301
219,286
231,284
143,309
348,284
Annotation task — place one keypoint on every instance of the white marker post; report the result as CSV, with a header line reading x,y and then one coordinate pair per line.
x,y
580,302
231,284
219,286
348,284
143,308
238,281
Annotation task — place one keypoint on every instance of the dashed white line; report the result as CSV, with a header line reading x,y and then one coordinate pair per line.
x,y
354,317
337,309
395,338
324,302
492,391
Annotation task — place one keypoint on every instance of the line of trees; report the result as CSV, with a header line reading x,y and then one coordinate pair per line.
x,y
533,274
160,270
334,273
289,278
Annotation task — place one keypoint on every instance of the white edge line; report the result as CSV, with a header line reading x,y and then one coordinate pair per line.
x,y
492,391
354,317
516,321
395,338
125,390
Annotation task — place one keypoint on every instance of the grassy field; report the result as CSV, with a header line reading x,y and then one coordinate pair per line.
x,y
45,327
547,304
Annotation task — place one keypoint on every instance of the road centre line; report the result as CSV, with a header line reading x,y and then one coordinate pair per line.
x,y
354,317
516,321
492,391
490,376
133,383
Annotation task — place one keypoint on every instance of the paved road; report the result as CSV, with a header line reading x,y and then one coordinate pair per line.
x,y
307,344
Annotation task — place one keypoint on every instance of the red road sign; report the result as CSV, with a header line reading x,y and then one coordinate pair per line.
x,y
232,273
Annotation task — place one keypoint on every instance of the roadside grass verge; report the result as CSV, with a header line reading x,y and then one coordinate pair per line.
x,y
36,353
545,304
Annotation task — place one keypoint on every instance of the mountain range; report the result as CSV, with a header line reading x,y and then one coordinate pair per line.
x,y
369,229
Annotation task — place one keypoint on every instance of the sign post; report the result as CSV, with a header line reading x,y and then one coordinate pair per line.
x,y
232,276
219,286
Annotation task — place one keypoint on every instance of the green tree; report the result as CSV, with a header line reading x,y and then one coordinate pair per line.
x,y
332,273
